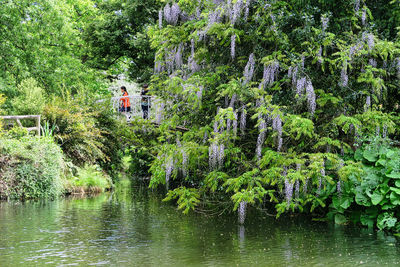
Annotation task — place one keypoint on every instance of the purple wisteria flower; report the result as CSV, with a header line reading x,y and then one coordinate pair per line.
x,y
199,93
242,211
356,5
184,163
261,138
288,191
167,13
319,55
235,123
243,120
384,131
159,114
372,62
233,100
367,103
277,126
312,105
175,11
169,167
305,186
344,78
160,19
370,41
178,56
270,73
221,155
364,16
233,45
325,23
297,189
339,187
397,64
249,69
236,11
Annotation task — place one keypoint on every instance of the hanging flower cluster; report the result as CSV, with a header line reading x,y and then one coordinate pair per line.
x,y
277,126
320,178
303,85
233,45
171,13
169,167
344,78
397,64
242,211
372,62
270,73
364,16
216,156
288,189
367,103
243,119
369,39
249,69
261,138
356,6
325,23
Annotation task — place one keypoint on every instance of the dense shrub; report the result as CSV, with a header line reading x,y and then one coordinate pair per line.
x,y
30,168
75,130
30,99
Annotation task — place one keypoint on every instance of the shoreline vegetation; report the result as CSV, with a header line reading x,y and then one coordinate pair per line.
x,y
291,107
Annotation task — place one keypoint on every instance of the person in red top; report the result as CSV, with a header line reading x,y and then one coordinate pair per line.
x,y
125,103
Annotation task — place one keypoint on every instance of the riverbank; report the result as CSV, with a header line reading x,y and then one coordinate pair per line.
x,y
34,168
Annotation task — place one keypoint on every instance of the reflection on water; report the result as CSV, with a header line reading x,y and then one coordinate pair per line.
x,y
133,228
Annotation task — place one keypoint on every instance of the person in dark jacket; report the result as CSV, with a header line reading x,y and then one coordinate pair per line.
x,y
145,101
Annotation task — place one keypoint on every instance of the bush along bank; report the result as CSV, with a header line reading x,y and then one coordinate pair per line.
x,y
30,168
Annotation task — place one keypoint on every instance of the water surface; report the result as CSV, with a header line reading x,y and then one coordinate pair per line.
x,y
133,228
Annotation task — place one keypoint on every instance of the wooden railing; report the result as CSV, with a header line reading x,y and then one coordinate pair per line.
x,y
25,117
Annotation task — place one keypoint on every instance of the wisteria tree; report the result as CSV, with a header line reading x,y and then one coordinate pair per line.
x,y
277,96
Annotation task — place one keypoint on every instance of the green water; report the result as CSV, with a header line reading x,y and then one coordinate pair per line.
x,y
131,228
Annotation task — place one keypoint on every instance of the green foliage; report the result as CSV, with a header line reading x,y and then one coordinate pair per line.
x,y
43,40
188,198
30,168
116,35
30,99
90,179
376,193
76,130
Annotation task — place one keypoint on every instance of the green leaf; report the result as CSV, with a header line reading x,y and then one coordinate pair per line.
x,y
340,219
394,175
394,198
376,197
366,220
346,203
358,155
371,155
386,221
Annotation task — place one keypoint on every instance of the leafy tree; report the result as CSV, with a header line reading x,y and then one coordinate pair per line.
x,y
117,35
276,97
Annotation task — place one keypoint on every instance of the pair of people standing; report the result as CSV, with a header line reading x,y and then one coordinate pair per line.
x,y
145,101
